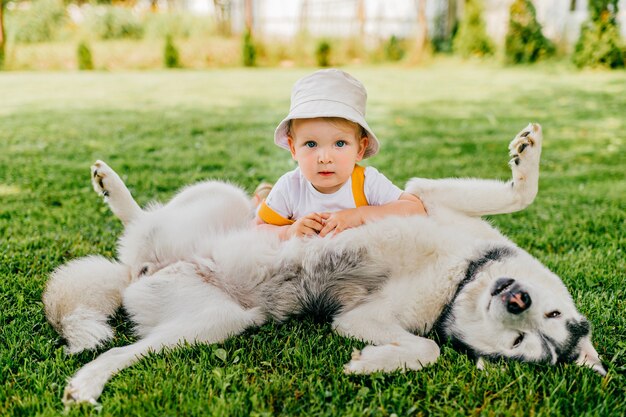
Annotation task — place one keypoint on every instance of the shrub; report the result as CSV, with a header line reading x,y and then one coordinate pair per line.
x,y
109,22
524,41
322,53
170,53
600,43
40,22
178,24
83,56
471,39
249,50
394,50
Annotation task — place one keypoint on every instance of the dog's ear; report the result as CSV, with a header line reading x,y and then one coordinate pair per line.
x,y
589,357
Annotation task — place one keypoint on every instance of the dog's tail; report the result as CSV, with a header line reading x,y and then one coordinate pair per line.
x,y
81,296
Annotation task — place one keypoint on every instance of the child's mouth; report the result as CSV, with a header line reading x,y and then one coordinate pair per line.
x,y
325,173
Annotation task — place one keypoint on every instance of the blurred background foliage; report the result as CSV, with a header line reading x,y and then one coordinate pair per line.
x,y
137,34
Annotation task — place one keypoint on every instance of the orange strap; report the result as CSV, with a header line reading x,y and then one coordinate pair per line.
x,y
269,216
358,186
358,193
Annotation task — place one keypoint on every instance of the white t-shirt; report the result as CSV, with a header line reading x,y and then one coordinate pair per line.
x,y
294,197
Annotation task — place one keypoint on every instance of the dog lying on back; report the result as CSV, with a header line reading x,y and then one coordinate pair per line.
x,y
193,270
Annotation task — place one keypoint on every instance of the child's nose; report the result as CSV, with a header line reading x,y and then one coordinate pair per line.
x,y
324,156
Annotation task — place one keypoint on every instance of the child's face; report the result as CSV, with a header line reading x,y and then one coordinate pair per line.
x,y
326,152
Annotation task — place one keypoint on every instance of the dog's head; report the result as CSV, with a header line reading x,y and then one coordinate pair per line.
x,y
510,306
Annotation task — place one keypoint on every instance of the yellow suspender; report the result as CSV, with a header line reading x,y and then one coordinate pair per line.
x,y
358,193
271,217
358,186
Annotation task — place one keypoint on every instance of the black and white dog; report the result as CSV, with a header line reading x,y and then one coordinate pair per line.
x,y
193,270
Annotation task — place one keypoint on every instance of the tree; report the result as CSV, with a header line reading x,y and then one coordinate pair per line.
x,y
600,42
471,38
524,41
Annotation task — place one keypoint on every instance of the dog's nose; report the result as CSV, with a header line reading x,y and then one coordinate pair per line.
x,y
517,301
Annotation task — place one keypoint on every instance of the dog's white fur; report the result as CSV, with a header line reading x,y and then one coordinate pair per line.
x,y
189,271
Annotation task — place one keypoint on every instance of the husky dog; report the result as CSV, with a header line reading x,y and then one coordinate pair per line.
x,y
194,270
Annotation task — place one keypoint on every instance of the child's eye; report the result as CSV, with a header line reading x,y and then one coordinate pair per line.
x,y
340,143
310,144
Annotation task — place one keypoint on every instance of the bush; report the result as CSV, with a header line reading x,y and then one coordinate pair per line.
x,y
394,50
249,50
471,39
170,54
109,22
40,22
524,41
83,55
322,53
600,43
178,24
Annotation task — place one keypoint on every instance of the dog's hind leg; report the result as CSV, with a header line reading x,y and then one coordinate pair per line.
x,y
108,184
210,317
478,197
394,348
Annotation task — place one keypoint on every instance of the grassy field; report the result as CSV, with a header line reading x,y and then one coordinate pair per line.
x,y
166,129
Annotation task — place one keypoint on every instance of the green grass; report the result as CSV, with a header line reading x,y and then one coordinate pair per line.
x,y
162,130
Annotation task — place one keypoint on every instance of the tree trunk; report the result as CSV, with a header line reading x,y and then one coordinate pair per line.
x,y
421,40
249,16
451,19
304,17
222,16
2,37
360,15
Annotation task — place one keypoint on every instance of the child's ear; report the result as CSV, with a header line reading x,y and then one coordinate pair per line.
x,y
292,147
362,147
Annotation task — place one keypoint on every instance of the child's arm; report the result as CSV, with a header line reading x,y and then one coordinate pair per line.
x,y
309,225
406,205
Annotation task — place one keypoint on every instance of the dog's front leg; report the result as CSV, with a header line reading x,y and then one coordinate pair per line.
x,y
108,184
393,347
87,384
479,197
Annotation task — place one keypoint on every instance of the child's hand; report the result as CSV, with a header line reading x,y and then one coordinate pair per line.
x,y
339,221
308,225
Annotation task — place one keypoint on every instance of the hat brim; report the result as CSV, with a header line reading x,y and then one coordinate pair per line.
x,y
325,108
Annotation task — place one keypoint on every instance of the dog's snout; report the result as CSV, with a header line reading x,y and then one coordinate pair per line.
x,y
517,301
501,285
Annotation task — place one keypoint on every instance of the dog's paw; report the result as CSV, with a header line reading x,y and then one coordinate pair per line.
x,y
82,389
105,181
374,358
99,171
392,357
526,146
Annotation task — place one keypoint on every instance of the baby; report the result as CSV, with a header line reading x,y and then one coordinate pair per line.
x,y
327,135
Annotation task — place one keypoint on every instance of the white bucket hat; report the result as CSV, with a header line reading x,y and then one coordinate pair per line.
x,y
328,93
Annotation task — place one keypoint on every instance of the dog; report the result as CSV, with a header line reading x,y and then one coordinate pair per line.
x,y
195,270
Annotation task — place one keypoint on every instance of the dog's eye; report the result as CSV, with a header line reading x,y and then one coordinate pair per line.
x,y
518,340
143,270
553,314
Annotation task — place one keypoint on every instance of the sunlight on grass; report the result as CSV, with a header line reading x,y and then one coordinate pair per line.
x,y
161,130
6,190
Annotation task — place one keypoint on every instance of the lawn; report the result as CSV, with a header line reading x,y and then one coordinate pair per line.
x,y
163,130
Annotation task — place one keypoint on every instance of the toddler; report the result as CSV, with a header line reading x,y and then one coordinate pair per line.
x,y
327,135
